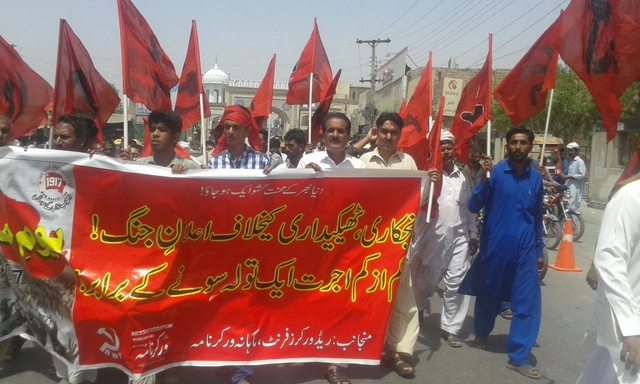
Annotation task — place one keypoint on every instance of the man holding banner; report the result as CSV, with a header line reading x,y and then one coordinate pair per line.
x,y
237,124
403,328
337,129
164,131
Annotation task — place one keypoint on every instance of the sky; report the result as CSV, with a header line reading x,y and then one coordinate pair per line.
x,y
243,35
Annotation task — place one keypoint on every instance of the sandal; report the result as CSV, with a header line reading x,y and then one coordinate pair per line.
x,y
525,370
336,375
507,314
480,343
401,367
451,339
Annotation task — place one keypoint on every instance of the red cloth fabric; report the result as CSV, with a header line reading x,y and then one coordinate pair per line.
x,y
313,60
25,95
261,105
79,88
428,155
523,92
418,111
632,168
148,73
190,86
600,41
322,110
474,108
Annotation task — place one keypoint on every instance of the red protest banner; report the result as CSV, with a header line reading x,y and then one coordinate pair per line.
x,y
216,269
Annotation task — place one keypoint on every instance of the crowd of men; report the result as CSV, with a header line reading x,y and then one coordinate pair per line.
x,y
510,245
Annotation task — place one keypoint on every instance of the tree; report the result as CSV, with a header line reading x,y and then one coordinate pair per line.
x,y
119,108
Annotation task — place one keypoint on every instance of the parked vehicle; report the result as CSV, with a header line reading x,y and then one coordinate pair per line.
x,y
560,206
551,226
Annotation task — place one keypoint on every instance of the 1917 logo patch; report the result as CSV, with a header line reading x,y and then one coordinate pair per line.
x,y
54,185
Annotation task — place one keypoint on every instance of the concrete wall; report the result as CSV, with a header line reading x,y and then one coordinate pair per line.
x,y
604,169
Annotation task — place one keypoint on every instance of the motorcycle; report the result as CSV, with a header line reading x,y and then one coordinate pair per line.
x,y
551,227
560,205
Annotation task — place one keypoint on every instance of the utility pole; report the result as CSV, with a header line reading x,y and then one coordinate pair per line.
x,y
370,109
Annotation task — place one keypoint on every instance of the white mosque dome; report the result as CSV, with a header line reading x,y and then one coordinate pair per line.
x,y
215,76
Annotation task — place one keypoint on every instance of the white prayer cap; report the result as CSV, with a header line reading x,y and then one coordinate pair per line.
x,y
447,136
573,145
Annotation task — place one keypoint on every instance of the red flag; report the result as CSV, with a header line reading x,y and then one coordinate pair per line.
x,y
600,41
403,108
80,90
428,155
261,105
146,146
523,92
147,72
474,108
418,111
24,95
633,168
190,86
313,60
322,110
426,152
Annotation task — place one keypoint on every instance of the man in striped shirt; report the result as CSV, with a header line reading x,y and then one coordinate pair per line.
x,y
237,124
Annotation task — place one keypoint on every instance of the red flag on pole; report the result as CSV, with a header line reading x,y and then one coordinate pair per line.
x,y
190,87
24,95
417,113
474,108
261,105
600,41
426,152
403,108
523,92
148,74
313,60
322,110
79,89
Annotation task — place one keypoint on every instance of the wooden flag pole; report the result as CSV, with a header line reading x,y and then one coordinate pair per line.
x,y
432,185
310,98
203,131
125,128
546,129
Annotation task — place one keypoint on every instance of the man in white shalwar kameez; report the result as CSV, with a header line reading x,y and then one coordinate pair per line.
x,y
440,249
613,338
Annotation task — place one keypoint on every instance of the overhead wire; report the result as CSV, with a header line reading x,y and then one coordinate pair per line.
x,y
438,45
502,29
429,25
438,28
416,22
523,31
398,19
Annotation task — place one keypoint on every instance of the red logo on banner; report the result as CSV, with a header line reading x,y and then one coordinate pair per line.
x,y
54,181
54,185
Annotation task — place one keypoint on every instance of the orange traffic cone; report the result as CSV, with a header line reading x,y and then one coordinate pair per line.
x,y
565,260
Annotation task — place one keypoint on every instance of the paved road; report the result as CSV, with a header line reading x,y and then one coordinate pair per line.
x,y
567,306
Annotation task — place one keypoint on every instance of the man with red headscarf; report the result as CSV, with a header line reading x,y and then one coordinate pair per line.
x,y
237,125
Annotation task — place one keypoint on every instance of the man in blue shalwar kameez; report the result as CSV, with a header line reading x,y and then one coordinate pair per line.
x,y
510,250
